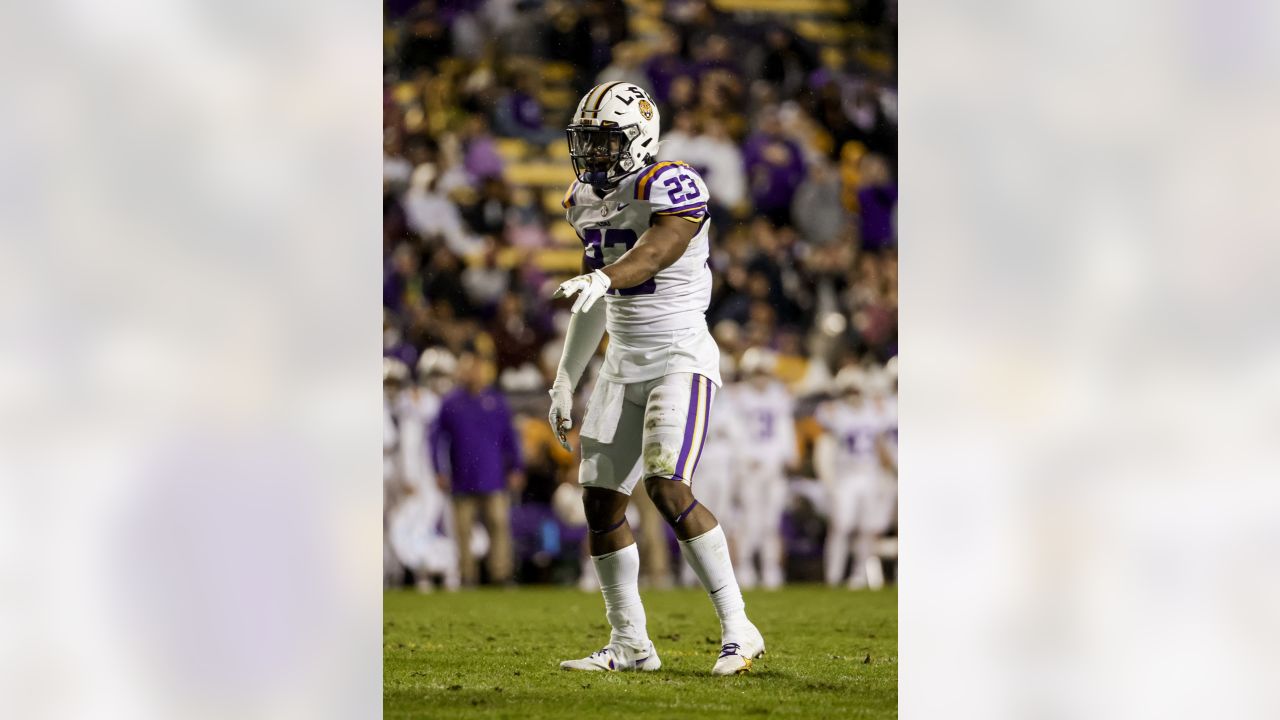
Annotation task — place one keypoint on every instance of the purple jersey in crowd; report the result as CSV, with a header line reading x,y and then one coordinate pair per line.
x,y
474,443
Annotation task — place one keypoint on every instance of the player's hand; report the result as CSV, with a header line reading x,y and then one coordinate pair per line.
x,y
561,409
589,288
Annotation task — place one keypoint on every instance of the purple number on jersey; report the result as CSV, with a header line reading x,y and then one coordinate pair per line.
x,y
766,425
853,442
678,194
595,241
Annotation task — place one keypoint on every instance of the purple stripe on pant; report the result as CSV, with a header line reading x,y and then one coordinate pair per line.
x,y
706,423
699,395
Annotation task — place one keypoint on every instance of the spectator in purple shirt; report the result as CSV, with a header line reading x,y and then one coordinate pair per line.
x,y
877,203
775,169
477,458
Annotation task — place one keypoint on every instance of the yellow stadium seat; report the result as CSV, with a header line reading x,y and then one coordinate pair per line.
x,y
512,149
560,261
557,97
540,174
823,32
557,72
551,201
558,149
644,24
787,7
404,93
565,236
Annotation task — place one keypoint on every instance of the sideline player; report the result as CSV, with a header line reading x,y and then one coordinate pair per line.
x,y
861,495
644,228
766,409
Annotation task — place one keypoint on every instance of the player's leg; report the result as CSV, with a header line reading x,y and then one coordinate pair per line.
x,y
835,551
863,533
675,423
775,502
496,511
750,500
876,514
464,517
604,475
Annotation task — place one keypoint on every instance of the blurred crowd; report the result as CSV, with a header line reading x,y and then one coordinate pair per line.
x,y
787,109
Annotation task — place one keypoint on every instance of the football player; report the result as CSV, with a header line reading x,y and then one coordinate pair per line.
x,y
766,408
861,491
644,230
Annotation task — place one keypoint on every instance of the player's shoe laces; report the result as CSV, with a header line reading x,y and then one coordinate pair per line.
x,y
736,655
612,658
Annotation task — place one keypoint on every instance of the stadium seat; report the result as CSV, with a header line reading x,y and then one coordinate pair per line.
x,y
823,32
787,7
557,72
539,174
564,236
513,150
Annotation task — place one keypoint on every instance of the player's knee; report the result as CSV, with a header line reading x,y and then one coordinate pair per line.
x,y
604,509
671,497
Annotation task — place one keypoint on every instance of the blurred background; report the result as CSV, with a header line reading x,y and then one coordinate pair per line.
x,y
788,109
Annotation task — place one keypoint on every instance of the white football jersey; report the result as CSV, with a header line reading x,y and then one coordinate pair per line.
x,y
660,326
889,414
677,297
855,430
769,421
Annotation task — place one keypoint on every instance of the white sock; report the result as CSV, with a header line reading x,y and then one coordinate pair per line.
x,y
708,555
619,572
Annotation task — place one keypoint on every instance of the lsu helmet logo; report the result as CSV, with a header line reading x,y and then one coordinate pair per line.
x,y
645,109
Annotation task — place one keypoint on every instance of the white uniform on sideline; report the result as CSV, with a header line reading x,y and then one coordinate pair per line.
x,y
862,494
421,523
767,417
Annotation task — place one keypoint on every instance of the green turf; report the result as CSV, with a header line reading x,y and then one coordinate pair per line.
x,y
495,653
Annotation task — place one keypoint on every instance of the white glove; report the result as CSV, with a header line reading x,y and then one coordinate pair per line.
x,y
561,410
592,287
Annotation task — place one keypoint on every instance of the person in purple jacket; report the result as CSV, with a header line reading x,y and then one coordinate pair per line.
x,y
775,168
477,458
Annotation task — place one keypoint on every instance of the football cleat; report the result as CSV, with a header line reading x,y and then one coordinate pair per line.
x,y
615,658
736,656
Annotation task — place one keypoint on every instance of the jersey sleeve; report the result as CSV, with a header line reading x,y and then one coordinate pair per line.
x,y
570,197
673,188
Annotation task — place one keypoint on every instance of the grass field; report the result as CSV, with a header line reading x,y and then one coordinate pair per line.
x,y
496,653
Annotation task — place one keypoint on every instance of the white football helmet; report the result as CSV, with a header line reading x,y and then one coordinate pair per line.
x,y
877,383
394,371
851,379
614,132
436,362
758,361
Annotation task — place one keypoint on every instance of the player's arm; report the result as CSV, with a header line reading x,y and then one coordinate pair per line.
x,y
885,454
580,342
662,244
